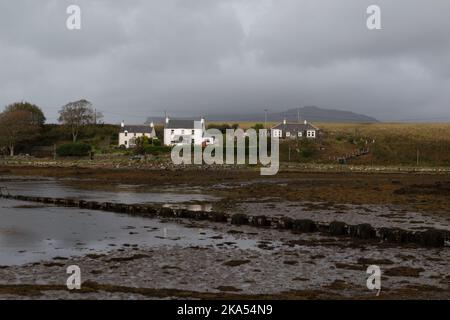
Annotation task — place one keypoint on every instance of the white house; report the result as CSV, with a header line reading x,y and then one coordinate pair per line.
x,y
129,133
185,132
294,130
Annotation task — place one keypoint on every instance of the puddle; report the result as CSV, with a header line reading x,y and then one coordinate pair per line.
x,y
30,234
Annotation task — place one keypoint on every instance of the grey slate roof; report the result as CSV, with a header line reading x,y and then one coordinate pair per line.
x,y
294,127
180,124
137,129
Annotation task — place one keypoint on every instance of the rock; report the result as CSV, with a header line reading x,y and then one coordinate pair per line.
x,y
396,235
260,221
285,223
166,212
200,215
239,218
338,228
106,206
92,205
363,231
304,225
183,213
218,217
431,238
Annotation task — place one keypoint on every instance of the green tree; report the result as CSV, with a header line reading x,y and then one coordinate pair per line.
x,y
142,143
36,114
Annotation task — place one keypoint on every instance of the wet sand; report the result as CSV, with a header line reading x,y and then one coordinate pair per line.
x,y
280,264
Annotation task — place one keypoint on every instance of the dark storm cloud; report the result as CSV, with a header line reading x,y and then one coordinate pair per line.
x,y
137,58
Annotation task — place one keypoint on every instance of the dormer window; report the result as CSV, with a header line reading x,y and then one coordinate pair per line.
x,y
126,133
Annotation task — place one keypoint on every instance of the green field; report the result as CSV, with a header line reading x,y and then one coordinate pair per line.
x,y
409,144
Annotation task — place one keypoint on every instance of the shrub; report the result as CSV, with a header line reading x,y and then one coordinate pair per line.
x,y
155,150
73,150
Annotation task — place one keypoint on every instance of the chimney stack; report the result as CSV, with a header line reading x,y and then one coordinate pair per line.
x,y
284,121
152,124
305,122
122,124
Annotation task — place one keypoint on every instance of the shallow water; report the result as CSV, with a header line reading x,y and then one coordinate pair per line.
x,y
121,194
33,233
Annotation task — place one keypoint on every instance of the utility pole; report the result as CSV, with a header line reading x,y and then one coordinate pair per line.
x,y
298,114
265,118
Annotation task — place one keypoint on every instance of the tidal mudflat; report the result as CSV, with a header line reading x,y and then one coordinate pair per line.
x,y
121,256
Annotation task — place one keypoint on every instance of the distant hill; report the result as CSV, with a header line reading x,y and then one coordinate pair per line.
x,y
313,114
310,113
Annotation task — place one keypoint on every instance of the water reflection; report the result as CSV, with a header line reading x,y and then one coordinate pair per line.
x,y
34,233
84,191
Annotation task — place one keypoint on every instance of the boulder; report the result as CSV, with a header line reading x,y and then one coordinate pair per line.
x,y
363,231
431,238
338,228
166,212
260,221
218,217
285,223
200,215
304,225
239,218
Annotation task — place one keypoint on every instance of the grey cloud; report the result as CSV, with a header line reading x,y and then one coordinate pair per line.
x,y
137,58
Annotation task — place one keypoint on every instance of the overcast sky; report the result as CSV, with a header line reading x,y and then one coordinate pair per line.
x,y
137,58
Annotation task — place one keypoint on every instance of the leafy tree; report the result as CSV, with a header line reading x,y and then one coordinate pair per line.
x,y
142,143
75,115
37,116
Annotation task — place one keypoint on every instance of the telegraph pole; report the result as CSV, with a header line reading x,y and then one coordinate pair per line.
x,y
265,118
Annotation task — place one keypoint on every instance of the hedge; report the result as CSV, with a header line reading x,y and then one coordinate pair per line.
x,y
155,150
73,150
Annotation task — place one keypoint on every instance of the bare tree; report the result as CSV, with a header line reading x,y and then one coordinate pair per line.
x,y
17,125
75,115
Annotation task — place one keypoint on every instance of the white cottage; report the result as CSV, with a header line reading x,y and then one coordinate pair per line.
x,y
129,133
294,130
184,132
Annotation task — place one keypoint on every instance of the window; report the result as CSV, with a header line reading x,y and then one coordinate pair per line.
x,y
288,134
300,134
126,133
126,142
193,141
311,134
172,131
135,134
193,131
